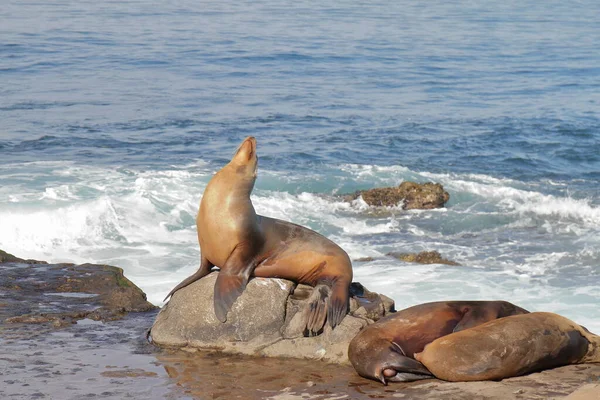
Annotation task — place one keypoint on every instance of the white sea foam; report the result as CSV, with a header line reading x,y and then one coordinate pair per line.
x,y
512,242
509,195
410,284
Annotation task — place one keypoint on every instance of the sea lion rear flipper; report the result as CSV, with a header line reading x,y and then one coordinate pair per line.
x,y
232,280
205,268
316,311
326,303
338,304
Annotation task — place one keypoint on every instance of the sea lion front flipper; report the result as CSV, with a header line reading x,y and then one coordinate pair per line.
x,y
205,268
471,317
232,279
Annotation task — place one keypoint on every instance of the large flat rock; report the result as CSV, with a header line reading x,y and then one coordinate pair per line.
x,y
266,320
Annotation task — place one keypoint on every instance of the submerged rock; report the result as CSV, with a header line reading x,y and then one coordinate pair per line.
x,y
61,294
411,195
364,259
266,320
424,257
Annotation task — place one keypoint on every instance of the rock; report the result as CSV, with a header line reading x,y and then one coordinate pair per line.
x,y
266,320
424,257
40,363
586,392
412,195
210,375
188,318
61,294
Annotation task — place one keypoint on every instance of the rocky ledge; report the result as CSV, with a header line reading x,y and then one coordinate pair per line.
x,y
60,294
412,196
266,320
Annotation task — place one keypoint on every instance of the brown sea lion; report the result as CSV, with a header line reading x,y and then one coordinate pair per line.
x,y
509,347
243,244
384,351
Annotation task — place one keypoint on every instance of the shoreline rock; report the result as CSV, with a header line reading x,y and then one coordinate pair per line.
x,y
112,359
61,294
266,320
412,196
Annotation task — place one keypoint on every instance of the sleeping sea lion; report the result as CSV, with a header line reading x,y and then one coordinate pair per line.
x,y
384,351
509,347
243,244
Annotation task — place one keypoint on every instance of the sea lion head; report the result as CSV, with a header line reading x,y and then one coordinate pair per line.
x,y
384,361
245,160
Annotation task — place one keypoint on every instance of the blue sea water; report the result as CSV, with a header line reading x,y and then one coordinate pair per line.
x,y
115,114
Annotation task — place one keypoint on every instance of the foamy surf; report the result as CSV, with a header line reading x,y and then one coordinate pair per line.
x,y
513,242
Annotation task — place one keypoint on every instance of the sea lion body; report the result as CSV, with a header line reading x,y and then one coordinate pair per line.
x,y
385,350
511,346
244,244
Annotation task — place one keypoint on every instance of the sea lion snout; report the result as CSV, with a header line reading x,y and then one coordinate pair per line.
x,y
245,159
384,361
247,149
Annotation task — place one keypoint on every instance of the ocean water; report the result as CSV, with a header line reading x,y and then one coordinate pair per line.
x,y
115,114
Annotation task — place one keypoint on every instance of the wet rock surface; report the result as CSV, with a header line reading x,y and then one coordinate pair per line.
x,y
37,292
111,359
266,320
412,196
424,257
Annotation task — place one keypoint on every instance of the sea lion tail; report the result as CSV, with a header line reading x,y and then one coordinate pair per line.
x,y
228,288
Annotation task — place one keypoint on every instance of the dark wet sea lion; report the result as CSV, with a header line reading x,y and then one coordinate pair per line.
x,y
509,347
243,244
384,351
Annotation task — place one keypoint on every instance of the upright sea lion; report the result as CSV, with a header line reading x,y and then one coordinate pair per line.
x,y
243,244
384,351
509,347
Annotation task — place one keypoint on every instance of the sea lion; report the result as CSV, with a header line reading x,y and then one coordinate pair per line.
x,y
244,244
511,346
384,351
